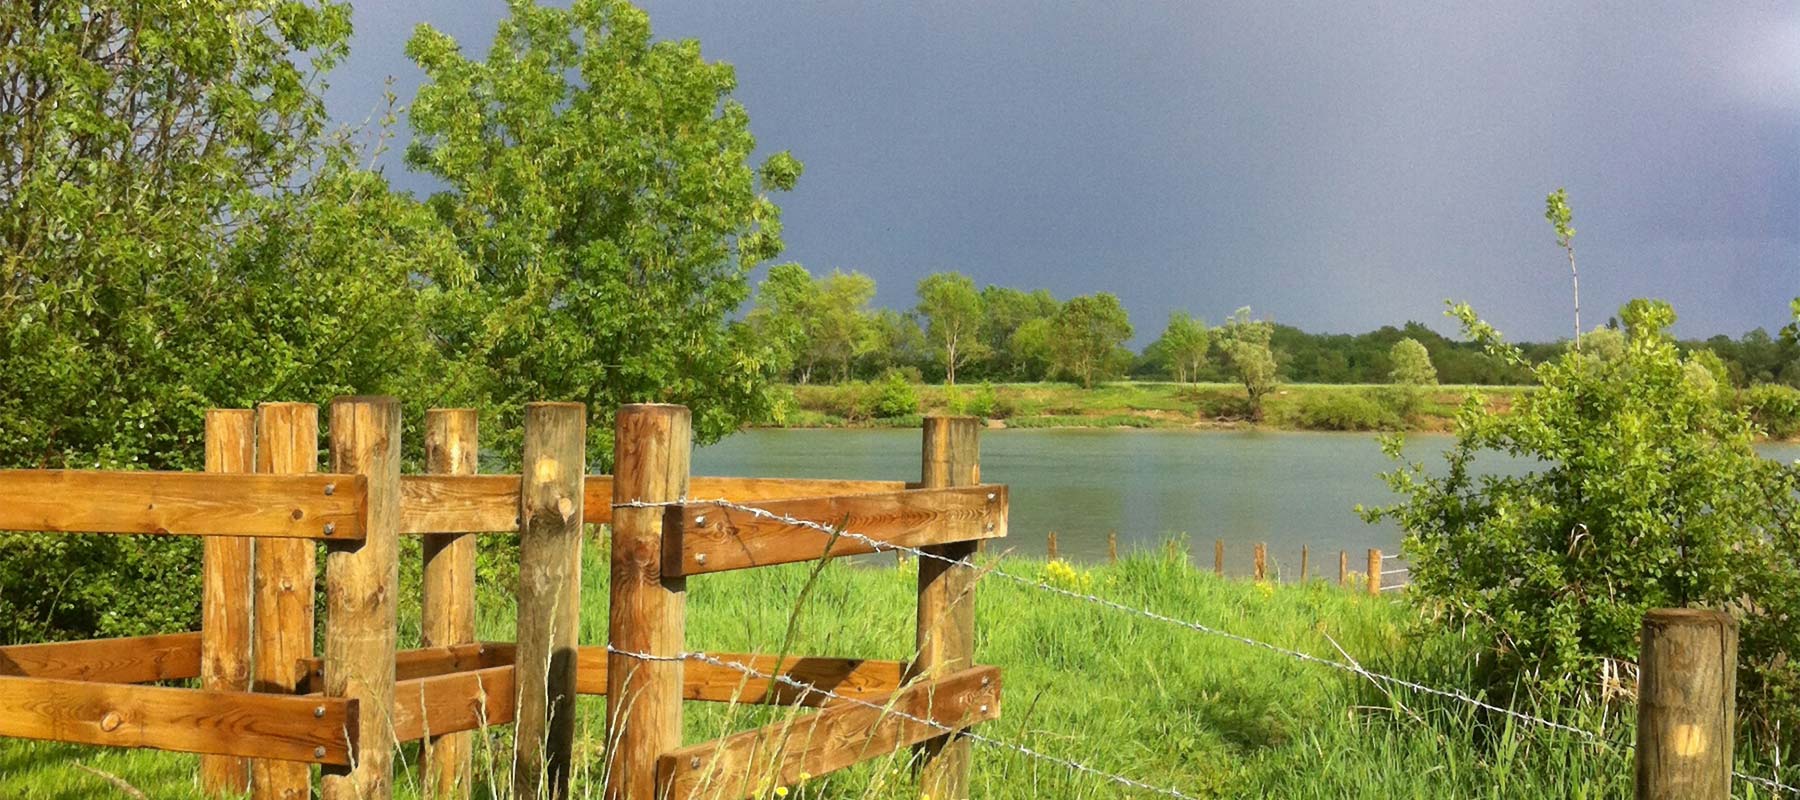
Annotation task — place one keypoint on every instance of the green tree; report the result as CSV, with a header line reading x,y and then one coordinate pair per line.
x,y
896,344
180,234
843,326
1184,345
951,309
1645,493
784,316
600,179
1087,338
1411,364
1030,346
1562,218
1004,312
1245,342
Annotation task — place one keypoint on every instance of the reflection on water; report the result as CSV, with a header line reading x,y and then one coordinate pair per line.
x,y
1288,489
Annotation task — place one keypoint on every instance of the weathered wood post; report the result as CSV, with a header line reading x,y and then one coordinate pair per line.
x,y
1051,545
1305,553
946,623
1343,568
1112,547
361,617
447,604
1219,557
287,441
651,447
1687,704
1374,571
225,621
549,623
1261,565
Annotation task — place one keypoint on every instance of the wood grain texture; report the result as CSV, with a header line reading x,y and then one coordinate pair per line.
x,y
460,503
298,729
287,443
225,594
741,490
186,503
549,614
447,603
753,763
950,457
426,662
134,659
1687,705
705,538
703,682
651,447
361,624
443,705
1374,571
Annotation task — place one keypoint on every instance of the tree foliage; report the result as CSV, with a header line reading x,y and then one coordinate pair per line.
x,y
600,182
1245,341
1183,346
1412,364
1648,495
1087,338
951,309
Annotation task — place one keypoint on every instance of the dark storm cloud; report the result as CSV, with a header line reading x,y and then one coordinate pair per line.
x,y
1336,165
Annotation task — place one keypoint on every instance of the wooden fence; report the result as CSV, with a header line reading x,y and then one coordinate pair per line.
x,y
272,702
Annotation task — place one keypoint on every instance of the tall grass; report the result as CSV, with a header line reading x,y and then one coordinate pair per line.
x,y
1172,707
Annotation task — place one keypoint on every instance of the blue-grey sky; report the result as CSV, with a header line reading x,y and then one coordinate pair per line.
x,y
1337,166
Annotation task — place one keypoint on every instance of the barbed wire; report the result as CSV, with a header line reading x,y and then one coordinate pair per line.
x,y
1353,668
805,687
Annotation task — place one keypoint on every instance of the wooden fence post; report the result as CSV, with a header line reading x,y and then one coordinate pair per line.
x,y
287,441
549,623
1687,704
225,622
1112,547
1374,571
1343,568
946,625
1051,544
1219,557
361,620
651,448
447,602
1305,553
1261,565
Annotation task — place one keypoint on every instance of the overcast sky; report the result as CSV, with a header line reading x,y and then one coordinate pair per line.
x,y
1335,165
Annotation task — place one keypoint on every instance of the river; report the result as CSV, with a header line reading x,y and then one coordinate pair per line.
x,y
1285,488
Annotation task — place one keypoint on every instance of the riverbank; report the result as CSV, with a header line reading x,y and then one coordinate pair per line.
x,y
1132,404
1172,707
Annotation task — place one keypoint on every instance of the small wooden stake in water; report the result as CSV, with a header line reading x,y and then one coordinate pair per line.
x,y
1374,571
1219,557
1343,568
1112,547
1053,545
1304,554
1686,705
1262,557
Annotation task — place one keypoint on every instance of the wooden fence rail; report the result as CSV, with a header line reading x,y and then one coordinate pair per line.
x,y
274,701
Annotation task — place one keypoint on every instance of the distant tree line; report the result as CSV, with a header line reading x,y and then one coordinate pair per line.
x,y
825,330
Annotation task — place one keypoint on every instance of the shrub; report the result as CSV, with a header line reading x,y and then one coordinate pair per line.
x,y
1774,408
985,402
1339,410
896,397
1647,493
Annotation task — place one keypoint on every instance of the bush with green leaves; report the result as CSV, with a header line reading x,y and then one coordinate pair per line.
x,y
1643,492
896,397
1774,408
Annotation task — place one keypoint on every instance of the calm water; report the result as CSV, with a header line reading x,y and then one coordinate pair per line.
x,y
1288,489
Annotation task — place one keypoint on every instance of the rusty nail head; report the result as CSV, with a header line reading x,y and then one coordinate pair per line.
x,y
330,528
319,752
331,489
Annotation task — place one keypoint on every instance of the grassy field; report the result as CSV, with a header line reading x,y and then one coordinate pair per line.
x,y
1172,707
1359,407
